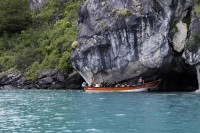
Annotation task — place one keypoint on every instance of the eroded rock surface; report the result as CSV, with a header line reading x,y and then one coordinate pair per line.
x,y
124,39
192,50
36,4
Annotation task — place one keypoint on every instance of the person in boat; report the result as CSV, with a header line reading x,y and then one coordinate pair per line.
x,y
97,85
118,85
122,85
107,84
140,81
84,84
126,85
91,85
113,84
102,84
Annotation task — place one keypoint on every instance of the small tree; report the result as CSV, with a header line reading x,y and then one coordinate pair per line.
x,y
14,15
65,63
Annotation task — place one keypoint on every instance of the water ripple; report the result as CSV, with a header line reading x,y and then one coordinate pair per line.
x,y
41,111
120,115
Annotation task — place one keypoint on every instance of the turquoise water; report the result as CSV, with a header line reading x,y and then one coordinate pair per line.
x,y
41,111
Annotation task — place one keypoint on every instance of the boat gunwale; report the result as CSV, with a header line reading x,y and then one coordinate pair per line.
x,y
129,88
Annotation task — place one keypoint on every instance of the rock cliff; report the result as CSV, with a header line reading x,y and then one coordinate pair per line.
x,y
48,79
192,50
120,40
36,4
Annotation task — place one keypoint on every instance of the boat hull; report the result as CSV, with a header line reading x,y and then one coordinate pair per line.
x,y
114,90
137,88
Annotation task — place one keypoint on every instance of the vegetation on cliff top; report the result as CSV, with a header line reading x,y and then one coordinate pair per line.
x,y
32,41
14,16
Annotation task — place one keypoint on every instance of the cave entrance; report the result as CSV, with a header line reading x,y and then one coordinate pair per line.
x,y
179,81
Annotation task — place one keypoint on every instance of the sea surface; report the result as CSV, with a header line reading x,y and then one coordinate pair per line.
x,y
59,111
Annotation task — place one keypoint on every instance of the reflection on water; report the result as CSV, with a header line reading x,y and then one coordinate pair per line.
x,y
76,111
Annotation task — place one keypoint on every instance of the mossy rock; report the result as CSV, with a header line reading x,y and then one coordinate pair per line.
x,y
75,44
121,12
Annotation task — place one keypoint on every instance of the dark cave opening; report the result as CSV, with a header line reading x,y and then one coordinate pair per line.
x,y
177,75
176,81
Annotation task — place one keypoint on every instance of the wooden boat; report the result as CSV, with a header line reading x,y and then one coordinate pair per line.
x,y
136,88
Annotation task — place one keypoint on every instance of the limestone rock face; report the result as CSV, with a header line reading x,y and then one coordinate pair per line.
x,y
180,37
36,4
192,50
193,57
124,39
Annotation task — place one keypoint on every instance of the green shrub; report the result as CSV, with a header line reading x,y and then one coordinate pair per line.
x,y
63,24
47,13
26,57
42,45
65,63
6,62
33,71
14,16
